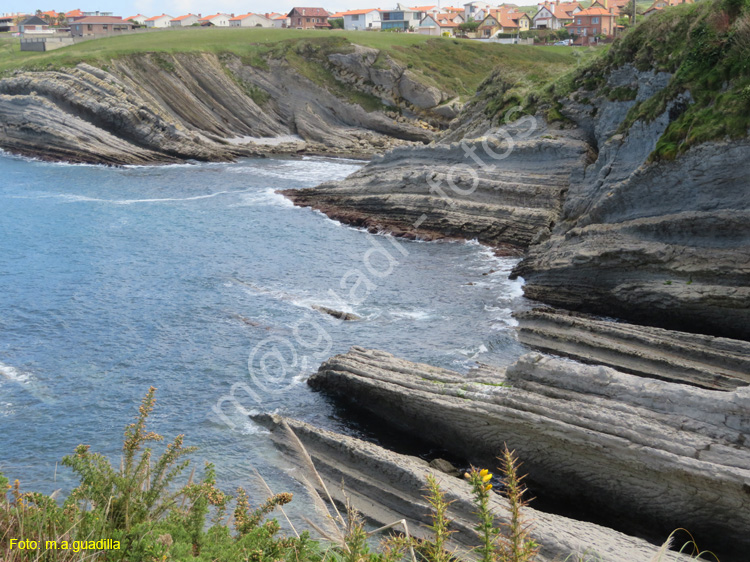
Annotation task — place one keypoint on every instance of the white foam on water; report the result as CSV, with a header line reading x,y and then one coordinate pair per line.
x,y
72,198
13,374
417,315
266,197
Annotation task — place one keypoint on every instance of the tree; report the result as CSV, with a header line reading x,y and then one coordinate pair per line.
x,y
336,23
468,26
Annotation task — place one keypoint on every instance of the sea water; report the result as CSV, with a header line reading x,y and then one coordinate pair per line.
x,y
195,279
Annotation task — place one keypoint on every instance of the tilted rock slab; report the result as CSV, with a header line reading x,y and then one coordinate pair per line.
x,y
385,487
659,452
706,361
440,191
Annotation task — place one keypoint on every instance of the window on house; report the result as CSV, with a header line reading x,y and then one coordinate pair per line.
x,y
355,18
90,27
105,27
578,21
594,20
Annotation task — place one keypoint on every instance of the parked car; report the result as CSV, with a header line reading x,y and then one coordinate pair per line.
x,y
564,43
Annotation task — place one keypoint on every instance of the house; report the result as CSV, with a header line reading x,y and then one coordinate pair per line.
x,y
34,24
139,19
591,24
99,25
400,18
358,20
554,15
184,21
450,17
8,24
74,14
216,20
279,20
661,4
308,18
159,21
475,10
435,26
503,20
250,20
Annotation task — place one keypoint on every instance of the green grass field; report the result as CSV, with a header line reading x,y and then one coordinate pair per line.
x,y
455,65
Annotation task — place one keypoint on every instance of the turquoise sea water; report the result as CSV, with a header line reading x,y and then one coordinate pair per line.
x,y
113,280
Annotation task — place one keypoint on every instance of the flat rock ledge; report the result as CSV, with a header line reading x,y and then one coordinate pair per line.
x,y
385,486
640,449
705,361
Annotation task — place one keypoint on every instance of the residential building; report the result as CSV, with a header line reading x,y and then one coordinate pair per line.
x,y
250,20
184,21
400,18
503,20
159,21
436,26
450,17
99,25
74,14
359,20
591,24
34,24
661,4
139,19
279,20
554,15
475,10
216,20
308,18
8,24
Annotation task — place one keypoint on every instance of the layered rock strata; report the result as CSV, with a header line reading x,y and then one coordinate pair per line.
x,y
705,361
439,191
668,454
156,107
386,487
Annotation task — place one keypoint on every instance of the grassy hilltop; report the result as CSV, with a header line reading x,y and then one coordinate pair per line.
x,y
458,66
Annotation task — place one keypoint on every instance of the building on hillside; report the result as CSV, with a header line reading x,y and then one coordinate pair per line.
x,y
216,20
34,24
250,20
503,20
360,20
138,19
93,26
308,18
450,17
159,21
475,10
592,24
435,26
661,4
8,24
74,14
401,18
554,15
279,20
427,10
184,21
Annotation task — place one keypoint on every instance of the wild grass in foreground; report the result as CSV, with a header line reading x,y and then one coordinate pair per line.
x,y
144,510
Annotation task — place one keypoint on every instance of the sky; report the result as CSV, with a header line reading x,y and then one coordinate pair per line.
x,y
180,7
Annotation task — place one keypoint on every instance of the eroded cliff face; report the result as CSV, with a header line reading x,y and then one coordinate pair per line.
x,y
156,108
666,243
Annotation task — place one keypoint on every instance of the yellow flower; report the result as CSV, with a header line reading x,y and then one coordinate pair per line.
x,y
483,472
487,487
466,475
487,477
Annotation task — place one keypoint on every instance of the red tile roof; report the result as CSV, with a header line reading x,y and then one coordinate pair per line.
x,y
103,19
159,17
206,18
311,12
242,17
186,16
595,11
355,12
135,16
74,14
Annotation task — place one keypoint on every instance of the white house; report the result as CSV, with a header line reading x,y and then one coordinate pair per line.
x,y
476,10
159,21
217,20
184,21
436,26
250,20
140,19
359,20
554,16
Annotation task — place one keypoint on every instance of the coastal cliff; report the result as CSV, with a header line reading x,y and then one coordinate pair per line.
x,y
629,193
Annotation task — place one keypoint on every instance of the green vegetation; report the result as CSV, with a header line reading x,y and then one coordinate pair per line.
x,y
138,511
456,66
706,46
